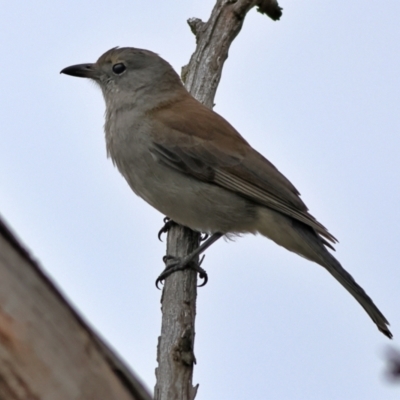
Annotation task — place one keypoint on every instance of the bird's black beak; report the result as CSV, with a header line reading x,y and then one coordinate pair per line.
x,y
82,71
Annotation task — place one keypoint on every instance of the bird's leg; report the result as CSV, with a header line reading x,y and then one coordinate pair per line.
x,y
174,264
167,225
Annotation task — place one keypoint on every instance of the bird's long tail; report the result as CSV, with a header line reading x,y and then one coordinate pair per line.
x,y
343,277
323,257
303,240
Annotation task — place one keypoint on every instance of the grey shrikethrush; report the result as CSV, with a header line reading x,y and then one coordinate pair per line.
x,y
191,165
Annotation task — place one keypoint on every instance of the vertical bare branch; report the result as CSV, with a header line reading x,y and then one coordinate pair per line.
x,y
175,354
214,38
201,76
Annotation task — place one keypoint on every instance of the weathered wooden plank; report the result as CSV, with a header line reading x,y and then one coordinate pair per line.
x,y
47,351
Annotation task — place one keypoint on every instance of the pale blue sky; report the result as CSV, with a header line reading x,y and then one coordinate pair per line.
x,y
317,93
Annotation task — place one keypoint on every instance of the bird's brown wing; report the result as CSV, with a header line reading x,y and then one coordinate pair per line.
x,y
213,151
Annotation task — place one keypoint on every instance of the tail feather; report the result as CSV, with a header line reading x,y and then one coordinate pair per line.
x,y
343,277
303,240
323,257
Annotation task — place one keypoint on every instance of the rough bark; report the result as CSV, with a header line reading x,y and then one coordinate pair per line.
x,y
47,351
175,351
175,354
213,38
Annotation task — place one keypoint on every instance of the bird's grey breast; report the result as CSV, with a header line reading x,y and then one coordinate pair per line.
x,y
128,139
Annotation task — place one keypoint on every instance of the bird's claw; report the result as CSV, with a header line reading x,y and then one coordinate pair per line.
x,y
174,264
167,225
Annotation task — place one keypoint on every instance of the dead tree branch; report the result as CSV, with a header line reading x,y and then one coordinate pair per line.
x,y
175,354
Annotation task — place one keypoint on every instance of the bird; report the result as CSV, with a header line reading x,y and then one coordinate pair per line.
x,y
193,166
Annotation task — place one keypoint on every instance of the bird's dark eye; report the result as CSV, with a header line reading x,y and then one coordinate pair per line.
x,y
119,68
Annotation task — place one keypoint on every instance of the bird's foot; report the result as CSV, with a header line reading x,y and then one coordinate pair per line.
x,y
167,225
174,264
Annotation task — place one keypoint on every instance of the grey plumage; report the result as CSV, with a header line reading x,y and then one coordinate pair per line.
x,y
190,164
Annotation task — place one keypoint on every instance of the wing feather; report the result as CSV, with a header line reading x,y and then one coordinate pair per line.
x,y
213,151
